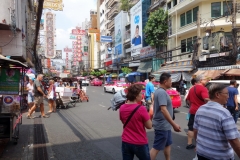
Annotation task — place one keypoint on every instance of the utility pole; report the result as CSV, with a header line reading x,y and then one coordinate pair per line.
x,y
198,34
234,31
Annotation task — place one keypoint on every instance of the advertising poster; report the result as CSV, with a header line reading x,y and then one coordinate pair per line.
x,y
118,34
11,104
9,81
136,28
58,54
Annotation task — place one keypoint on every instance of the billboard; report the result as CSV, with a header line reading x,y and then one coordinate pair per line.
x,y
136,28
58,54
120,23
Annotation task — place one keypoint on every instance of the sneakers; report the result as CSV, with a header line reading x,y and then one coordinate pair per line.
x,y
190,146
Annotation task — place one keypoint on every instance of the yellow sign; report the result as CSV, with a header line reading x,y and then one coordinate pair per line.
x,y
53,4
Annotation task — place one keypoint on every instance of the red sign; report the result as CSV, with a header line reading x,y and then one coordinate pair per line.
x,y
67,49
78,32
74,42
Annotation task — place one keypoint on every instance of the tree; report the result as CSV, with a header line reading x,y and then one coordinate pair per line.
x,y
156,29
125,5
103,72
126,70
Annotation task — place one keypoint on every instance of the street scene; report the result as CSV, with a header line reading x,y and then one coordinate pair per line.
x,y
119,79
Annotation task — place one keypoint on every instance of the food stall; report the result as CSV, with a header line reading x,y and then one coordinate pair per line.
x,y
11,101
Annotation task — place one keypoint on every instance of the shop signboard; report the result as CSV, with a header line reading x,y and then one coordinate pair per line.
x,y
56,5
147,52
106,39
9,81
136,28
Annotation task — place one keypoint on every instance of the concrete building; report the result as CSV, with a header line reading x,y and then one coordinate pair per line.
x,y
18,21
214,53
93,33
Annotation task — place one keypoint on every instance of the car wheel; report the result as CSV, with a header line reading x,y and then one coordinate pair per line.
x,y
113,91
105,90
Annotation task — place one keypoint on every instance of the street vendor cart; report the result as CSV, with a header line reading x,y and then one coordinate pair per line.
x,y
11,99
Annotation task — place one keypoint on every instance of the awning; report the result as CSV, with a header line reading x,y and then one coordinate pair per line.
x,y
122,75
145,67
213,74
176,77
180,66
7,62
186,76
231,72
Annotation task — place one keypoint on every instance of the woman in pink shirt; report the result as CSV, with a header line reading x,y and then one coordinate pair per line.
x,y
134,136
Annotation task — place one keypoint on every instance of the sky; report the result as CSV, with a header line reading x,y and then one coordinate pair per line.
x,y
74,13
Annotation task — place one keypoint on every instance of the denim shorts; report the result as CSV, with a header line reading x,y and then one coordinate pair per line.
x,y
162,139
129,150
30,98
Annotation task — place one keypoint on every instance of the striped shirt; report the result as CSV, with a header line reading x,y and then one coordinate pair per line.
x,y
215,127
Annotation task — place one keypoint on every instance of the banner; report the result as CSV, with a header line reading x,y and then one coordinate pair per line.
x,y
9,81
55,5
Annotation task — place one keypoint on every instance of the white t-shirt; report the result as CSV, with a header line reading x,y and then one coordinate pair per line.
x,y
30,88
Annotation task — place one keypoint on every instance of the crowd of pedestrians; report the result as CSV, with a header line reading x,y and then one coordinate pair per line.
x,y
213,114
37,93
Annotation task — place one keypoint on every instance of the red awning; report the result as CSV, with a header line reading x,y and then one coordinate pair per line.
x,y
108,63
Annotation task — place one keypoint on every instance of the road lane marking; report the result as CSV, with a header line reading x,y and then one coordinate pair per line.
x,y
102,105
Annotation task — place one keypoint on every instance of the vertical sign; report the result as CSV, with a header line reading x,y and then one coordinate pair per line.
x,y
49,38
136,28
118,34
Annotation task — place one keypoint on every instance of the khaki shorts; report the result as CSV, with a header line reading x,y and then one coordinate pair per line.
x,y
38,100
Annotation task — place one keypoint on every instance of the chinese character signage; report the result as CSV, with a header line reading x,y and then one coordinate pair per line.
x,y
53,4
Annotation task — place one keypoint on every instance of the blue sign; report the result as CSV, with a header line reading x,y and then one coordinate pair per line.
x,y
106,39
118,49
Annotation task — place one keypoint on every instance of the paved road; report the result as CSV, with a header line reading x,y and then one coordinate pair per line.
x,y
86,132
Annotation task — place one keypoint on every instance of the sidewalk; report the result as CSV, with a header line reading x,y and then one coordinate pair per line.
x,y
31,142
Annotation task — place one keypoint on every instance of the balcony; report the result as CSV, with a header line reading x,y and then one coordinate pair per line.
x,y
183,30
156,4
181,6
110,25
111,3
113,12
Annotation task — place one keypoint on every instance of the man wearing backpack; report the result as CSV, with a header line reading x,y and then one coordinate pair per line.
x,y
197,96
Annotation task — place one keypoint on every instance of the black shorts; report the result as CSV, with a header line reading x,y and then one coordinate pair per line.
x,y
191,122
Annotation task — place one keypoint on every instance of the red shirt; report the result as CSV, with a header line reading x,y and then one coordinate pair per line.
x,y
134,132
197,98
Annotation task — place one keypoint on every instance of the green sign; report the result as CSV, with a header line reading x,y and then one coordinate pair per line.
x,y
9,81
85,48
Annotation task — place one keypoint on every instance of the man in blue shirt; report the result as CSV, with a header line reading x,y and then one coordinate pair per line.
x,y
232,103
137,39
150,90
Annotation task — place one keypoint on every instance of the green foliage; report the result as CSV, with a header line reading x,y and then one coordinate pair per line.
x,y
125,5
156,29
92,73
126,70
103,72
85,74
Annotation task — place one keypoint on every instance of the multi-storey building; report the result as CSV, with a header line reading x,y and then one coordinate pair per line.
x,y
215,35
18,21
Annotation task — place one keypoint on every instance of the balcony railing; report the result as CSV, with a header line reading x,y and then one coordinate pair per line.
x,y
180,5
113,11
111,3
110,24
186,28
156,4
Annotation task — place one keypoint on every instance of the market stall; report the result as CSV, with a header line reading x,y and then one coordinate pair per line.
x,y
11,101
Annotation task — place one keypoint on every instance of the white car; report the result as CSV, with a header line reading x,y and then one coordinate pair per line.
x,y
85,82
114,86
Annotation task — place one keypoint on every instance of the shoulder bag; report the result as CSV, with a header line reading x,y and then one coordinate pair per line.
x,y
131,115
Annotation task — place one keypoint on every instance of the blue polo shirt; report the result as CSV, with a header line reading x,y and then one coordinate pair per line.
x,y
136,41
149,89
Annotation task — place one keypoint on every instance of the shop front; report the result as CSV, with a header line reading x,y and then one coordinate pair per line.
x,y
179,70
220,72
